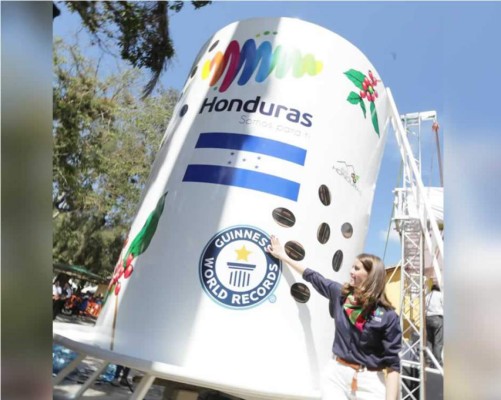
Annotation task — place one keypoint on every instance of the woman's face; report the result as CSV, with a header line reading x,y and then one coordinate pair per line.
x,y
358,274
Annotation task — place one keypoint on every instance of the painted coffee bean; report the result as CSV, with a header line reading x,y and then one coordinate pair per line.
x,y
128,271
294,250
337,260
323,233
300,292
213,46
129,260
325,195
284,217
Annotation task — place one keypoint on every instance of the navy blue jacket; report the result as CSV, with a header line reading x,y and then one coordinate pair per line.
x,y
379,343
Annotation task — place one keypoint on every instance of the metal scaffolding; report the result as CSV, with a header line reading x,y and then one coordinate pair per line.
x,y
420,234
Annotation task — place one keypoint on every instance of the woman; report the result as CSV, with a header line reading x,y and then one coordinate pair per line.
x,y
368,334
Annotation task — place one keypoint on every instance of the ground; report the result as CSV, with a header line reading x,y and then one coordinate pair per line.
x,y
101,389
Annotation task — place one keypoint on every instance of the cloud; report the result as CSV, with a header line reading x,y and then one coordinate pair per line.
x,y
393,238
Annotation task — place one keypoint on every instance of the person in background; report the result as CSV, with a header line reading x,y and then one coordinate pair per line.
x,y
83,304
67,290
73,303
56,290
368,335
435,322
66,293
124,380
99,299
56,299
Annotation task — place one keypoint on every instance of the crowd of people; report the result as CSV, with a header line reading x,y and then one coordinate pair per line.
x,y
77,303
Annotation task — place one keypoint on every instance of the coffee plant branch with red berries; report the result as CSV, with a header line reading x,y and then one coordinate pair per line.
x,y
366,84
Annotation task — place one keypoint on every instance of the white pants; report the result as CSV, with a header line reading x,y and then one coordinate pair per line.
x,y
336,383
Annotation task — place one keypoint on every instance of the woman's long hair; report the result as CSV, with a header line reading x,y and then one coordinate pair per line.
x,y
372,290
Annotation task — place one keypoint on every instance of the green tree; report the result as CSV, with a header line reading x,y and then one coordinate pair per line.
x,y
105,141
140,29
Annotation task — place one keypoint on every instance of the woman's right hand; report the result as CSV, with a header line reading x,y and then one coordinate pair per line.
x,y
276,249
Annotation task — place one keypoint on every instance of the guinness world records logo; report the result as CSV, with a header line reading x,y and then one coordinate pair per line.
x,y
236,271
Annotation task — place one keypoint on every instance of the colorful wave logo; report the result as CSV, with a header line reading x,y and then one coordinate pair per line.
x,y
264,59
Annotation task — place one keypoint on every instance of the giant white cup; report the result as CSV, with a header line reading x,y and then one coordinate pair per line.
x,y
279,130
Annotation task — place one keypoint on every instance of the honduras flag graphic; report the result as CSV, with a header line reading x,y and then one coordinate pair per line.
x,y
247,161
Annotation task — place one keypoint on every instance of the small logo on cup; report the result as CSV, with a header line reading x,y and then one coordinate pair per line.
x,y
347,171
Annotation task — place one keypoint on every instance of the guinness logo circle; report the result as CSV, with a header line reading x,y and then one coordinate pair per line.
x,y
235,269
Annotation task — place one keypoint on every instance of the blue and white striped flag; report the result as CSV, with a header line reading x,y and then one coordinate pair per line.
x,y
247,161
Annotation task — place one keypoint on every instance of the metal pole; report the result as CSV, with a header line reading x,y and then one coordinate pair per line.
x,y
143,387
435,129
90,380
422,322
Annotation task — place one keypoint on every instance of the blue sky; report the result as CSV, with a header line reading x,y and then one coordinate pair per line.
x,y
416,48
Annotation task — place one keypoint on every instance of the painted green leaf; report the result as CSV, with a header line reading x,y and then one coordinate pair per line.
x,y
374,118
354,98
362,106
356,77
143,238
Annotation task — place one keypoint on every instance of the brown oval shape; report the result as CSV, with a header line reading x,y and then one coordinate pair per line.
x,y
294,250
183,110
347,230
284,217
213,46
337,260
324,194
323,232
300,292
